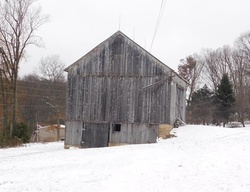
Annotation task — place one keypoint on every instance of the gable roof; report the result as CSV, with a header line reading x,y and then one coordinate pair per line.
x,y
122,34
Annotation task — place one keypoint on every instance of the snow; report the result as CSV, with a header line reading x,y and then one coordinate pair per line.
x,y
199,158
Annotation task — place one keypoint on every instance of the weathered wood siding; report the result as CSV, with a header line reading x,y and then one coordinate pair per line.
x,y
118,99
73,133
95,135
178,100
118,56
118,81
134,134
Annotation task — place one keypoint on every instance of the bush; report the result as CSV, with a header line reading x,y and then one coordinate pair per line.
x,y
22,132
10,142
1,140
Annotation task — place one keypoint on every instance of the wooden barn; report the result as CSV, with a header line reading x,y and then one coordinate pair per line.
x,y
119,93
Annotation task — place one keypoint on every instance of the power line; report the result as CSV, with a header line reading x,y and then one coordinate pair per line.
x,y
43,82
31,95
42,89
35,88
36,106
40,82
163,2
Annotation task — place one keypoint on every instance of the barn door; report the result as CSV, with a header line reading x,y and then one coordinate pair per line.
x,y
95,135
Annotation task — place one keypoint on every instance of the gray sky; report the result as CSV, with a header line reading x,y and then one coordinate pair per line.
x,y
187,26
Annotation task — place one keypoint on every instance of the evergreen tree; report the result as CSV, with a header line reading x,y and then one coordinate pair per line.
x,y
22,132
201,105
224,100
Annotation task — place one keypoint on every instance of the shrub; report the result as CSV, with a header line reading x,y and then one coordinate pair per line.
x,y
22,132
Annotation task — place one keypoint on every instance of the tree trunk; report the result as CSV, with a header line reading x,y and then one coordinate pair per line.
x,y
5,110
58,130
243,123
13,103
224,124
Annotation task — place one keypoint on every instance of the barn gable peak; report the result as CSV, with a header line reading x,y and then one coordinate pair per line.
x,y
111,38
120,55
116,34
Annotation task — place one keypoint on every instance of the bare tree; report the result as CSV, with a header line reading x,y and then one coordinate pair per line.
x,y
52,71
190,70
241,58
210,70
52,68
19,20
240,86
233,61
216,64
243,44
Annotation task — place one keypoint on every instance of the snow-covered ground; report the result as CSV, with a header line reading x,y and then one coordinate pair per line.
x,y
200,158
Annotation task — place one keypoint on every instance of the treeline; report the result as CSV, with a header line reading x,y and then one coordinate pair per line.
x,y
206,73
40,98
20,20
41,101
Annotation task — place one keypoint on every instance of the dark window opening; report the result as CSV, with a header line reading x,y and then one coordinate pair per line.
x,y
117,127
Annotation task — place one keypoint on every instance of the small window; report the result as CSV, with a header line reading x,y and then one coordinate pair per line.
x,y
117,127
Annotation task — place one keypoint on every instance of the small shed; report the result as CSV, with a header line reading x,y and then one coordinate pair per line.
x,y
119,93
50,133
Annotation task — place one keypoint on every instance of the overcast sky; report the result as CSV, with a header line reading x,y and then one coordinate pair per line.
x,y
186,27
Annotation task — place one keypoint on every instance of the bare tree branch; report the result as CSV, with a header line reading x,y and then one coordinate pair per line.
x,y
19,20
